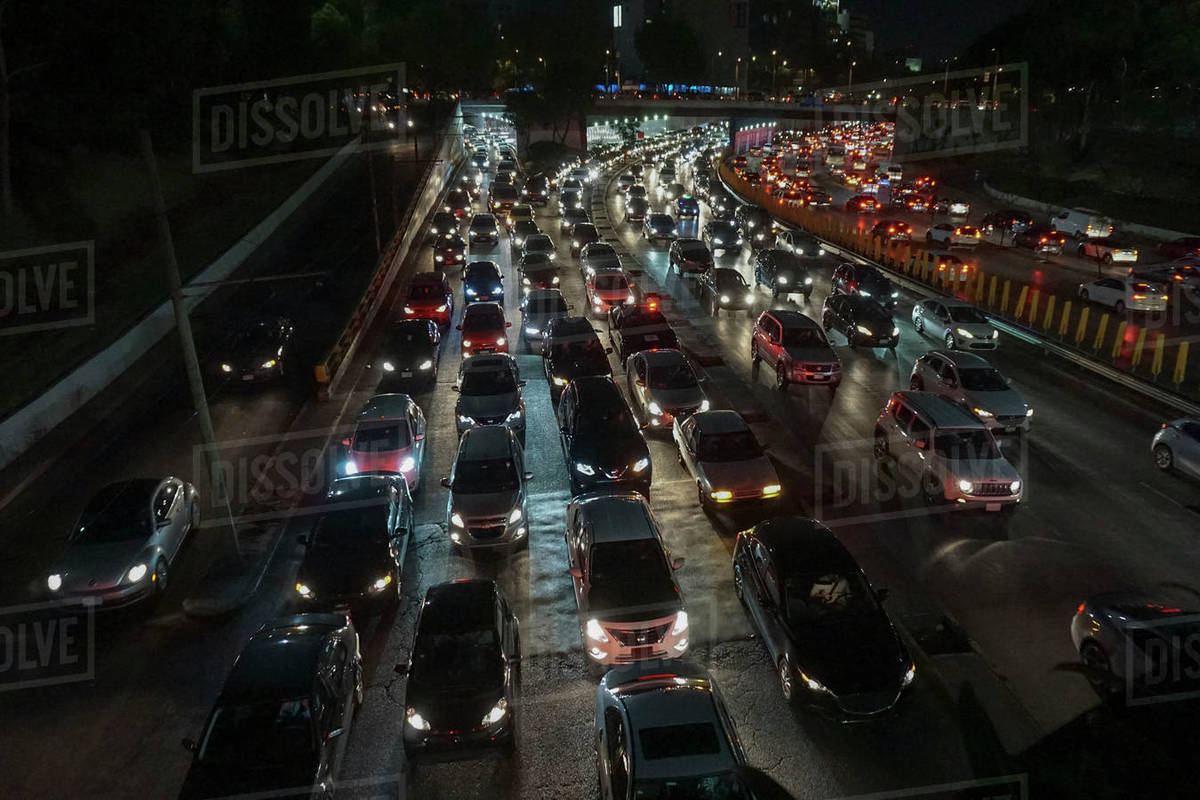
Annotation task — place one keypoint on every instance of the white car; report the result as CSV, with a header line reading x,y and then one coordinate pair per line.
x,y
957,324
1107,251
950,235
973,383
1120,294
728,464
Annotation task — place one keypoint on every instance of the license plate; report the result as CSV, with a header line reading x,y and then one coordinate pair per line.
x,y
819,377
650,337
247,377
1010,429
641,652
407,374
993,506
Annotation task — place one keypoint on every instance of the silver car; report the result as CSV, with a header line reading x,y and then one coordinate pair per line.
x,y
1176,447
487,503
538,308
959,325
489,393
970,381
728,464
125,542
662,385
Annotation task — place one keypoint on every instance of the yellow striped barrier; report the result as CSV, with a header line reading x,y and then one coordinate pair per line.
x,y
1160,342
1048,320
1065,322
1119,341
1081,330
1034,296
1021,301
1101,329
1004,297
1139,347
992,291
1181,363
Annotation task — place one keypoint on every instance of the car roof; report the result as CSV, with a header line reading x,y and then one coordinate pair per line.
x,y
941,411
963,360
462,604
677,704
385,406
485,443
792,319
800,538
622,517
276,664
435,278
483,310
719,421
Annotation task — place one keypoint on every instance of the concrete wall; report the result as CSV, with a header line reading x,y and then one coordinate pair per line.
x,y
1047,209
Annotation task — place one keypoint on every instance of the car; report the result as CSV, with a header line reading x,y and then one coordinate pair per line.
x,y
464,670
1081,223
483,230
785,274
723,235
449,249
864,280
973,383
483,329
1176,447
570,349
1180,248
666,173
1042,239
947,450
606,289
479,159
459,203
947,264
862,204
502,197
658,226
799,243
953,207
600,439
1185,271
636,209
790,196
389,437
539,243
572,217
487,506
686,207
1006,221
625,180
429,296
583,234
537,271
410,353
892,230
815,198
721,454
443,222
521,212
862,320
726,290
957,324
354,553
666,731
661,385
628,603
283,714
753,220
520,231
597,256
1138,646
950,235
833,646
125,542
794,346
689,255
638,191
671,191
919,203
536,190
1107,250
1130,293
482,282
489,393
632,329
722,205
538,307
569,199
261,350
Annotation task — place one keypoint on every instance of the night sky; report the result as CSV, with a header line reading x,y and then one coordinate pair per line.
x,y
936,28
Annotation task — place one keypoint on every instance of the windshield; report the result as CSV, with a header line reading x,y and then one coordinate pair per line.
x,y
802,337
724,786
476,272
477,382
967,314
115,516
966,446
693,250
348,527
728,281
546,305
635,562
257,336
732,446
827,595
456,659
672,376
424,291
982,380
486,475
480,320
259,735
380,438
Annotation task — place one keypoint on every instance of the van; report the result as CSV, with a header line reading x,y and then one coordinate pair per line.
x,y
1082,223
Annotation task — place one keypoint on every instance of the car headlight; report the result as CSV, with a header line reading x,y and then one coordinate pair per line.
x,y
585,469
54,582
574,244
681,623
909,674
269,364
724,298
381,584
980,412
995,334
456,520
501,341
864,330
470,291
497,713
814,684
721,495
654,408
965,486
415,719
864,293
782,281
517,241
594,632
895,331
1014,487
136,573
554,280
641,464
560,381
1029,412
408,464
303,590
441,308
531,331
514,416
463,419
772,489
516,515
895,295
226,368
963,332
718,241
388,366
426,364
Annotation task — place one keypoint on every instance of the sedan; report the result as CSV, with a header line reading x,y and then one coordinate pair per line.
x,y
487,504
723,235
583,234
259,352
1125,293
483,329
1042,239
482,282
973,383
659,227
957,324
636,209
726,290
521,230
125,542
539,243
799,243
538,307
1179,248
389,436
1107,250
572,217
862,204
832,644
449,249
489,393
662,385
892,230
689,255
410,353
862,320
686,207
949,235
724,458
483,230
1176,447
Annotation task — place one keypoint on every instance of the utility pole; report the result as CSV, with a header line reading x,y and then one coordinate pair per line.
x,y
183,323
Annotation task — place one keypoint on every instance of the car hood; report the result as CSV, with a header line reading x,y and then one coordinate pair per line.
x,y
336,571
484,504
731,475
609,448
1004,403
538,319
852,656
819,353
455,708
247,356
487,406
978,469
219,780
668,399
878,287
980,330
407,359
698,257
89,566
627,601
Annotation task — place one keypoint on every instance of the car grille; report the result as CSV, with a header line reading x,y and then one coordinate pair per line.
x,y
867,702
1015,419
614,474
810,367
982,344
488,532
992,489
639,637
491,420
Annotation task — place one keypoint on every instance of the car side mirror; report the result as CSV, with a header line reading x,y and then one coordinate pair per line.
x,y
677,563
521,383
188,744
575,572
508,324
608,350
641,383
446,482
454,388
881,594
400,669
458,327
346,442
302,539
528,476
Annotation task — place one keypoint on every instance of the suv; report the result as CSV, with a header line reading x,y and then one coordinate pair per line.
x,y
626,595
489,393
571,348
952,454
483,229
864,280
755,223
973,383
861,320
796,348
487,503
783,273
799,243
601,441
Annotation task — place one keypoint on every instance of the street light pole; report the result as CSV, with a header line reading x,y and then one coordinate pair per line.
x,y
737,86
850,90
774,68
607,83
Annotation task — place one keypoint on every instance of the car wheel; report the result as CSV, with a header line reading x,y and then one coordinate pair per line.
x,y
787,681
359,686
916,384
160,577
755,359
919,324
932,489
1099,671
701,500
679,459
738,588
1083,295
949,340
1164,459
194,521
1120,306
1081,251
781,381
880,448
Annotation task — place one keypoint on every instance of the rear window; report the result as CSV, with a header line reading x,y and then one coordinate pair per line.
x,y
677,741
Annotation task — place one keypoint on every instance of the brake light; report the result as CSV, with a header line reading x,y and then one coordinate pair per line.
x,y
957,231
656,676
1080,609
1044,240
1139,297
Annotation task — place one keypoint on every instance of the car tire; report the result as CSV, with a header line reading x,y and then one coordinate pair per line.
x,y
161,576
739,589
781,381
700,498
679,459
755,359
880,448
1164,458
919,324
1120,307
917,384
787,681
1083,295
359,686
1099,671
949,340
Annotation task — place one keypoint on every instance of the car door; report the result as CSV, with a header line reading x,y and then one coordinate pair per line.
x,y
635,381
687,446
1187,448
937,322
836,305
949,384
1108,291
774,341
566,424
766,601
614,755
170,517
840,277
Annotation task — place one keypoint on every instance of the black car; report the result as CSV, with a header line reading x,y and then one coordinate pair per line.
x,y
723,235
464,671
354,555
572,217
862,320
755,223
864,280
260,351
410,353
483,229
572,349
443,222
721,204
1040,238
489,393
583,234
632,329
726,290
601,441
536,190
280,720
783,273
521,229
831,642
689,255
1007,220
449,249
636,209
537,271
458,203
482,282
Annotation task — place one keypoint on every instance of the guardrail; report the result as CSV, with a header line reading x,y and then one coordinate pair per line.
x,y
1138,356
448,155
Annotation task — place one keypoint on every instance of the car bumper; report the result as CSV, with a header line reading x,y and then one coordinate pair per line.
x,y
359,603
107,599
1147,305
875,341
456,258
975,344
817,377
422,742
612,653
484,298
581,484
476,349
442,318
488,536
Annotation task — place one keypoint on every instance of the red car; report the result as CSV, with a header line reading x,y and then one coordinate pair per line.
x,y
484,329
1186,246
862,204
892,230
429,296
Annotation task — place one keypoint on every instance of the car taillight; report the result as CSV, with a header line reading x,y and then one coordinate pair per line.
x,y
1139,297
1044,240
1083,605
